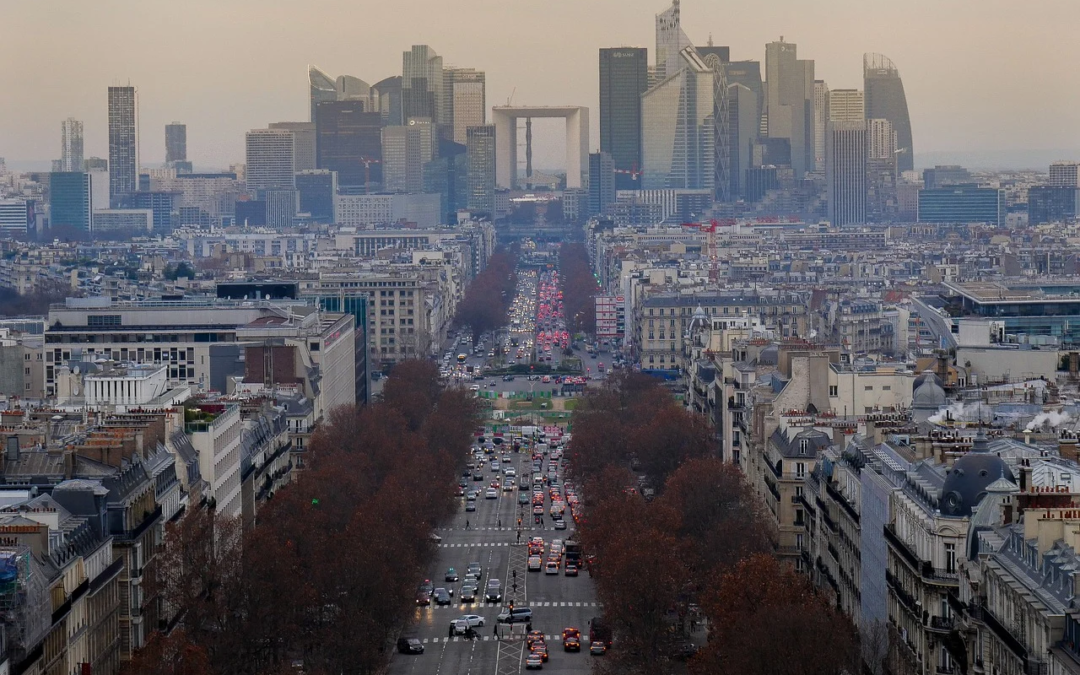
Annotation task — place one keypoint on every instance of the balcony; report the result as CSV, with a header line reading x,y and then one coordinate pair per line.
x,y
934,575
906,599
942,624
833,553
902,548
945,670
1003,633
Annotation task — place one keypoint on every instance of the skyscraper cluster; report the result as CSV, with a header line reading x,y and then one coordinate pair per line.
x,y
418,132
695,120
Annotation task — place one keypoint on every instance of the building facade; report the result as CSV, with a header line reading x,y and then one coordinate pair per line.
x,y
846,171
123,143
624,77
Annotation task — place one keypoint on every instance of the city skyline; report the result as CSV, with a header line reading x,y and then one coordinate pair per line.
x,y
945,117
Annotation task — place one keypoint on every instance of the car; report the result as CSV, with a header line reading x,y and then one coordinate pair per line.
x,y
538,509
468,593
534,564
478,476
534,662
572,644
470,505
598,648
491,493
459,626
571,570
508,378
570,632
552,567
508,486
409,646
560,524
494,591
534,636
476,569
451,574
442,596
436,538
423,599
515,615
474,620
540,649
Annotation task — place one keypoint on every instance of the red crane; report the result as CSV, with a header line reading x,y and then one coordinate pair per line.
x,y
367,162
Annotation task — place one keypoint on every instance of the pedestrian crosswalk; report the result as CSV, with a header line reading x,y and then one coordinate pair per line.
x,y
484,605
494,543
488,638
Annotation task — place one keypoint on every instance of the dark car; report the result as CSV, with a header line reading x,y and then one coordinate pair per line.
x,y
478,475
451,574
494,591
423,599
442,596
409,646
475,568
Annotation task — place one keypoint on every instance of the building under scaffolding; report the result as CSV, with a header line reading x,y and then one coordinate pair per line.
x,y
25,609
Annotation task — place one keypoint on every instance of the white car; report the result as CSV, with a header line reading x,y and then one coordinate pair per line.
x,y
459,626
534,563
474,620
551,567
491,493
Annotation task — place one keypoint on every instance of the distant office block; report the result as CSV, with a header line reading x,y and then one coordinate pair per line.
x,y
122,222
406,150
270,160
677,128
447,176
466,90
1052,204
1065,174
348,140
789,102
304,143
423,93
74,196
280,207
759,180
846,105
885,99
251,213
386,209
601,183
123,143
162,204
941,176
821,120
71,145
480,160
846,172
962,204
95,164
315,191
624,77
388,94
175,143
14,217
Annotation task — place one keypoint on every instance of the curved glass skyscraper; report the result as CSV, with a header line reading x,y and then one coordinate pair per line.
x,y
323,88
884,91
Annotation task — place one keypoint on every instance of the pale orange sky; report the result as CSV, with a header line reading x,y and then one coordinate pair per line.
x,y
979,74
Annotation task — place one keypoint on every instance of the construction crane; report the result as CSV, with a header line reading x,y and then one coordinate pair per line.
x,y
634,172
710,237
367,162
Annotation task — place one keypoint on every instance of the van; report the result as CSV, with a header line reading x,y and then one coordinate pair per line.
x,y
515,615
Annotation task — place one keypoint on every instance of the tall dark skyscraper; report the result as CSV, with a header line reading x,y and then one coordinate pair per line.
x,y
389,95
885,99
123,143
480,158
349,141
624,77
175,142
601,183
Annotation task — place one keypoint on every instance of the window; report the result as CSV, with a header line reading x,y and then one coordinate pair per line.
x,y
834,390
887,387
804,444
800,469
799,542
798,491
950,558
868,387
799,517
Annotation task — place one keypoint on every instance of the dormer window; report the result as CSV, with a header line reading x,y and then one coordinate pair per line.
x,y
804,444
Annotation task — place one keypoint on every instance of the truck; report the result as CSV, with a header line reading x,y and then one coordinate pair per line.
x,y
572,552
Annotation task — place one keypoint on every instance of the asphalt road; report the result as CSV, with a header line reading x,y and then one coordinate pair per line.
x,y
557,601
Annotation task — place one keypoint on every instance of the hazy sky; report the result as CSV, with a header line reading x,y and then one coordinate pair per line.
x,y
979,74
